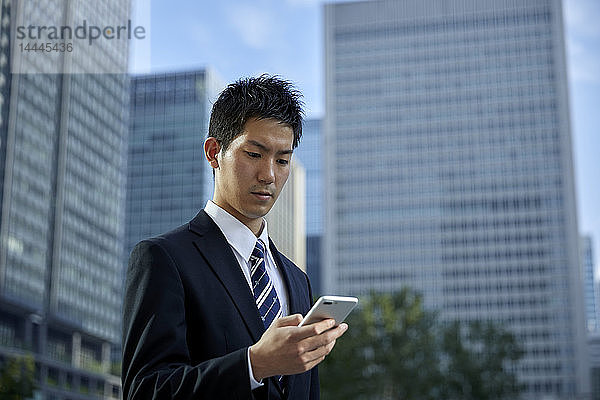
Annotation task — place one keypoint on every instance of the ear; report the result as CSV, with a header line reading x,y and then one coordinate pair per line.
x,y
211,150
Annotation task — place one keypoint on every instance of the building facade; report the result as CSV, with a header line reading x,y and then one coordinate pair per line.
x,y
310,152
168,179
448,169
286,220
591,285
63,147
594,352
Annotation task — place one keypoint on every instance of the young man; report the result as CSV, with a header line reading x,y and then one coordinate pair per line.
x,y
211,309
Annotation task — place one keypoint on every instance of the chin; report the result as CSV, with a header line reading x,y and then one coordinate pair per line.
x,y
261,212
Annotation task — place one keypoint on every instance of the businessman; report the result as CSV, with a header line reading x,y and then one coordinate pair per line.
x,y
211,308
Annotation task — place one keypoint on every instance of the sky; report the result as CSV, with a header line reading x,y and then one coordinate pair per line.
x,y
238,38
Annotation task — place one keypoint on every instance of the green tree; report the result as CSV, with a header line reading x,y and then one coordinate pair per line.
x,y
389,351
394,349
351,372
480,358
17,378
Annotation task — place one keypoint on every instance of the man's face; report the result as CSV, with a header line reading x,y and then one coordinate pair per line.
x,y
253,170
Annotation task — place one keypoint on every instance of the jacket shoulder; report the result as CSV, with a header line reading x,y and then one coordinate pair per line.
x,y
291,267
169,239
291,264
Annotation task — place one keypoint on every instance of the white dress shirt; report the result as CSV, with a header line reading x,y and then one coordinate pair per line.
x,y
242,241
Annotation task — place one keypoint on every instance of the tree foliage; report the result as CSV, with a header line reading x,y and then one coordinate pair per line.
x,y
477,362
17,378
395,349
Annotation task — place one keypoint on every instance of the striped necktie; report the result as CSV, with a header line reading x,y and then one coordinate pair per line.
x,y
265,295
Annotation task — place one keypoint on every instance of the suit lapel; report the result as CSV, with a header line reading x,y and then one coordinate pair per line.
x,y
218,254
294,287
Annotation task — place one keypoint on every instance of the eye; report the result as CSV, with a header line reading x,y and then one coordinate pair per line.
x,y
253,155
283,161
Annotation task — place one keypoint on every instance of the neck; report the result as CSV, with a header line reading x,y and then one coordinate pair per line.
x,y
254,224
260,229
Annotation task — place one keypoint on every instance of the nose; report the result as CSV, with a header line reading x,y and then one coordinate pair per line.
x,y
266,172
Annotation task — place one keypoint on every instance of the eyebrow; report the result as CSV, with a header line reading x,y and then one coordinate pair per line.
x,y
265,148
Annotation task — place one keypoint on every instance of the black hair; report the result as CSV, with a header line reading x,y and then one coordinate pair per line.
x,y
262,97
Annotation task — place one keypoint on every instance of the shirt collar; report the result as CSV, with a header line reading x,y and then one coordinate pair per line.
x,y
238,235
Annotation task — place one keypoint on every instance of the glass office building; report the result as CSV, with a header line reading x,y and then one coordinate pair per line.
x,y
448,169
591,285
286,220
310,152
169,179
594,349
63,189
4,82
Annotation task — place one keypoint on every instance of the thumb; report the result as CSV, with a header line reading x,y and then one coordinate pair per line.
x,y
290,320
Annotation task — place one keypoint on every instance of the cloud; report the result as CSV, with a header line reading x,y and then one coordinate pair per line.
x,y
254,24
199,33
583,63
583,40
305,3
584,68
581,17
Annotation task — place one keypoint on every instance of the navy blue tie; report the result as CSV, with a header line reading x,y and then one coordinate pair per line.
x,y
265,295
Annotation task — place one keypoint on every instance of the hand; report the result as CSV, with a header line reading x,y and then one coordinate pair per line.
x,y
286,349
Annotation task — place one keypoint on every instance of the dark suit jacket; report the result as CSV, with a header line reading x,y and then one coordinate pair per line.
x,y
190,316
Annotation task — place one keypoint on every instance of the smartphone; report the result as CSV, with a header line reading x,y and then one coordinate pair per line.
x,y
336,307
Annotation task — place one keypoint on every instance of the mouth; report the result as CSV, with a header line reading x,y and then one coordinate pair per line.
x,y
262,195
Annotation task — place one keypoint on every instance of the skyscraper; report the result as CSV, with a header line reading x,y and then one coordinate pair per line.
x,y
168,177
286,220
449,169
310,152
590,285
63,138
4,83
594,346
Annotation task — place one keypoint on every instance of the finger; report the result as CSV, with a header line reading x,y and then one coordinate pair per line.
x,y
314,329
314,363
290,320
330,334
319,352
342,328
314,342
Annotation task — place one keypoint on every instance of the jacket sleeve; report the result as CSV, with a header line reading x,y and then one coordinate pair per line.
x,y
156,359
315,393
